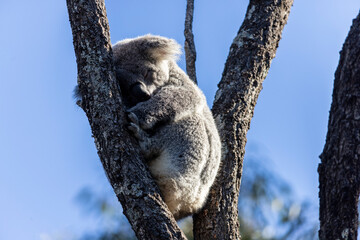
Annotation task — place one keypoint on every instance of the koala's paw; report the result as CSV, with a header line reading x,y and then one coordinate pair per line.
x,y
145,121
135,128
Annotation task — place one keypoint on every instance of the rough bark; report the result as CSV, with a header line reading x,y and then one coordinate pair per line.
x,y
246,67
190,51
339,170
117,150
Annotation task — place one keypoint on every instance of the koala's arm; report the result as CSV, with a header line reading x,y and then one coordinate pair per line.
x,y
170,103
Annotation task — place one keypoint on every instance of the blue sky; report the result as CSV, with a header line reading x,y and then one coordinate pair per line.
x,y
47,153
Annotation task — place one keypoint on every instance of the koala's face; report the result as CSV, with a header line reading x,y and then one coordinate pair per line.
x,y
139,81
142,66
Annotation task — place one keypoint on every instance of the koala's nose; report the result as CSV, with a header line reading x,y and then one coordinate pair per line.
x,y
140,92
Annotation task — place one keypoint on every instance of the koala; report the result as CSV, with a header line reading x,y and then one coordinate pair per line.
x,y
169,117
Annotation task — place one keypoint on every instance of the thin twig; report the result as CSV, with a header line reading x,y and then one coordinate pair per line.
x,y
190,51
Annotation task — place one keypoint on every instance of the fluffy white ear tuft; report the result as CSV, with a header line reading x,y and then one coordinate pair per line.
x,y
163,48
156,47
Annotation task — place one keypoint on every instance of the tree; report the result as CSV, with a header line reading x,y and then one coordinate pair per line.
x,y
102,104
340,165
247,65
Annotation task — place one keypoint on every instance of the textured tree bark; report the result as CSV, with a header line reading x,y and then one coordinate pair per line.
x,y
246,68
190,51
339,170
118,151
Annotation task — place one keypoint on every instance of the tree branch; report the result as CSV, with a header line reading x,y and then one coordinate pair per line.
x,y
245,70
340,164
190,51
118,151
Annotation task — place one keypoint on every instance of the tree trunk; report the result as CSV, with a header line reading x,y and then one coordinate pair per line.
x,y
118,151
246,68
339,170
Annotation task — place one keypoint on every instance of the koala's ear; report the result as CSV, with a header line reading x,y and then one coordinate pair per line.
x,y
160,48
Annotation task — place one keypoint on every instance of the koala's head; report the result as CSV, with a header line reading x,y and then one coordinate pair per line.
x,y
142,65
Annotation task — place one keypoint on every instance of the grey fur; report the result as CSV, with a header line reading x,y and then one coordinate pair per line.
x,y
170,118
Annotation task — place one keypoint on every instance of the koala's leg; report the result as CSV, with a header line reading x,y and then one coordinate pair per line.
x,y
180,160
182,156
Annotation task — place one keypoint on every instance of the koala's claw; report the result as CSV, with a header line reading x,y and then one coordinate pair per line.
x,y
137,131
133,118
